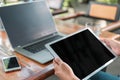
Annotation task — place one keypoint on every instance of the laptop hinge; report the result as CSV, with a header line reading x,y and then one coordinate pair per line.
x,y
38,40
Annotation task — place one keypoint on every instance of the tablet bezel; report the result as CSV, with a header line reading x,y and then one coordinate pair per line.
x,y
94,72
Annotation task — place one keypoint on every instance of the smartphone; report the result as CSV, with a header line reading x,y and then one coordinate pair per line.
x,y
10,63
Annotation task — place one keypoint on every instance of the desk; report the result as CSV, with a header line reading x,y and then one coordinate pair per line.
x,y
32,70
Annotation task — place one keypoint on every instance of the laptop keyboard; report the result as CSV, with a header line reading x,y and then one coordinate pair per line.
x,y
40,45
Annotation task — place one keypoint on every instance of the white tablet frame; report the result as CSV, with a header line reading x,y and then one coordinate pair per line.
x,y
94,72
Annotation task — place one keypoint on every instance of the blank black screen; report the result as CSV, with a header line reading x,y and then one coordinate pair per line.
x,y
83,52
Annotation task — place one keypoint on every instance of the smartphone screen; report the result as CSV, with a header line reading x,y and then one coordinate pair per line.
x,y
10,63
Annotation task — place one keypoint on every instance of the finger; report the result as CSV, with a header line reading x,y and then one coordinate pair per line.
x,y
114,44
102,39
58,61
116,41
107,42
55,65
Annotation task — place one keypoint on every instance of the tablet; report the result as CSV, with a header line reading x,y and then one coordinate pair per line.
x,y
83,52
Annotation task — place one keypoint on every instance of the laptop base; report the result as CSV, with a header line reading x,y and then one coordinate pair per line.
x,y
42,57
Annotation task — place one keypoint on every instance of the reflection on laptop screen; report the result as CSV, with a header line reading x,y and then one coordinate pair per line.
x,y
83,52
27,22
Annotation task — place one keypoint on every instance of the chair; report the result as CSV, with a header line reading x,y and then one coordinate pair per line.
x,y
97,11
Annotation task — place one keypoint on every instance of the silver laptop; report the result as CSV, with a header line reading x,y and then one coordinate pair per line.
x,y
83,51
29,26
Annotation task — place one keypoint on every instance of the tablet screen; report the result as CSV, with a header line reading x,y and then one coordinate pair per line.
x,y
83,52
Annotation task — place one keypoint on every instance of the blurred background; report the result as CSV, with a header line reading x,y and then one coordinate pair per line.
x,y
75,8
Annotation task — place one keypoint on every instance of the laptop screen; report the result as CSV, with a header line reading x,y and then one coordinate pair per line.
x,y
27,22
83,52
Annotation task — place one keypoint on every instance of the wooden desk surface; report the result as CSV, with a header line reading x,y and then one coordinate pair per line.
x,y
32,70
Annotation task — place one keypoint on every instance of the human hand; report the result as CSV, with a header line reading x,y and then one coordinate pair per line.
x,y
63,70
113,44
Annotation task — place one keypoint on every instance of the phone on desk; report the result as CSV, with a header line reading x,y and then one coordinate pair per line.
x,y
10,63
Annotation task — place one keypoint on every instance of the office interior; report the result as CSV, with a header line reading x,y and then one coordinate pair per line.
x,y
69,17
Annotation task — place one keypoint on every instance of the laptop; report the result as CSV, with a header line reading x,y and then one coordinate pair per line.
x,y
83,52
29,26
